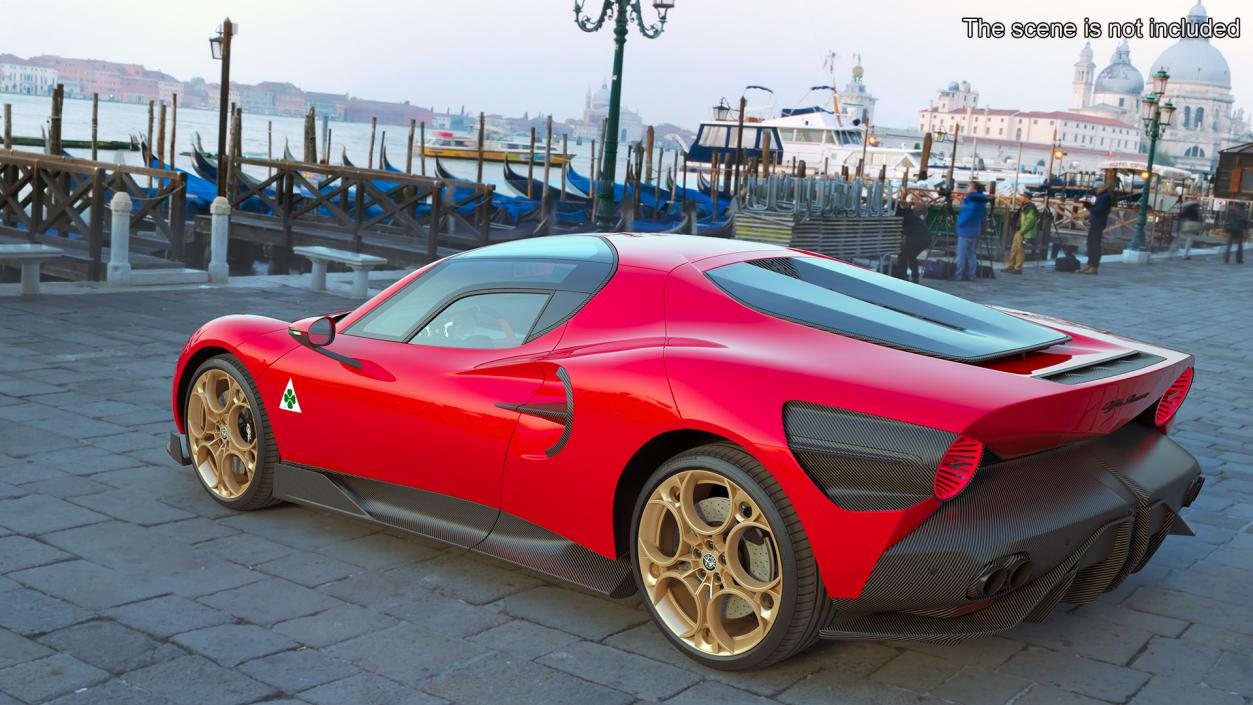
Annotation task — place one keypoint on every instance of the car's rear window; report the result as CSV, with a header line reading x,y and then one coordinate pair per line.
x,y
841,298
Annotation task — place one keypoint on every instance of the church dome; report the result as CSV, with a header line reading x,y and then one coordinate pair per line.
x,y
1120,76
1195,60
600,99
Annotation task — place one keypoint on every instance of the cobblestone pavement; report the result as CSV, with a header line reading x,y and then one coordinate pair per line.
x,y
122,582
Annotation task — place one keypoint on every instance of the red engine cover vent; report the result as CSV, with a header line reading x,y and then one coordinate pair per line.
x,y
957,467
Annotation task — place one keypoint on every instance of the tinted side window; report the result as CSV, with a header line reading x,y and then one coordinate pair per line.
x,y
397,318
484,321
572,267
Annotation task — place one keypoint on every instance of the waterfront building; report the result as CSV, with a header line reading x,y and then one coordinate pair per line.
x,y
359,110
957,96
331,105
1103,122
274,98
19,76
1090,135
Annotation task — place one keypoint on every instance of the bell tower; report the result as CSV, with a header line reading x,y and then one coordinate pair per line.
x,y
1085,72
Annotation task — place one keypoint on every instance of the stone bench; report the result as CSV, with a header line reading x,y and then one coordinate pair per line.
x,y
359,263
30,257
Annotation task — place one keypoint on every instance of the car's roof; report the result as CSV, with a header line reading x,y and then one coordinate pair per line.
x,y
666,251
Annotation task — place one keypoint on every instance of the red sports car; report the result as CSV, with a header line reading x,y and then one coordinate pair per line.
x,y
770,445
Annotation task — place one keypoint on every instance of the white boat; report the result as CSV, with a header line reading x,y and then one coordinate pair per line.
x,y
815,135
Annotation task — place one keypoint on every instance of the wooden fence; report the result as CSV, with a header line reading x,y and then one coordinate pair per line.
x,y
357,209
63,201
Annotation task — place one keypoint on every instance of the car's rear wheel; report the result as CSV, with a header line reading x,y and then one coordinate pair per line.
x,y
228,435
722,562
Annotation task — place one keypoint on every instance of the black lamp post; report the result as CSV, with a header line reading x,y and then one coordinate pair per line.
x,y
1155,114
220,47
622,12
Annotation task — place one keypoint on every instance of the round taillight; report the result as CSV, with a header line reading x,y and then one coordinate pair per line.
x,y
1173,399
957,467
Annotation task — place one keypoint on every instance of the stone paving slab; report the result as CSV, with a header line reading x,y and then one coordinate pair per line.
x,y
122,582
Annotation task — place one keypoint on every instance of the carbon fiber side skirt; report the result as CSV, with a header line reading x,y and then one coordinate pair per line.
x,y
474,526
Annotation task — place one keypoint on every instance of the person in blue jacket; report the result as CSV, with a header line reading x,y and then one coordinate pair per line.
x,y
969,226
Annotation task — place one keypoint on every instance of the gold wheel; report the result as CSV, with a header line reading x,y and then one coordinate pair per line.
x,y
709,563
222,434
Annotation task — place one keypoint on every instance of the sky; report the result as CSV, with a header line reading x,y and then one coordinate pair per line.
x,y
528,55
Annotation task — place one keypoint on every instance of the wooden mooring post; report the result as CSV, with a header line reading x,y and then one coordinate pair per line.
x,y
174,131
95,126
54,128
147,151
8,126
161,137
565,161
311,136
530,165
591,179
482,128
374,126
422,143
739,145
548,158
648,154
409,154
661,158
600,159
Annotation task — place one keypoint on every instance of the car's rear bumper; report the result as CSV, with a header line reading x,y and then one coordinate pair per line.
x,y
1064,525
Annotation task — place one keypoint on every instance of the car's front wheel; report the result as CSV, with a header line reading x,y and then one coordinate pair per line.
x,y
722,562
228,435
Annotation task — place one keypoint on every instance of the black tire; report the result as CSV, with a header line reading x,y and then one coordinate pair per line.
x,y
805,605
260,491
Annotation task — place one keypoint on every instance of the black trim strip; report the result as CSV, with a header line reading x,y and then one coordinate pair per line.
x,y
565,435
551,412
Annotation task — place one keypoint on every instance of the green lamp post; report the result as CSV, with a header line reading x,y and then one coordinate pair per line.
x,y
1155,113
622,12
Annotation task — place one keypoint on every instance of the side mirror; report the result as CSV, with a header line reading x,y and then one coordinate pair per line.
x,y
317,333
321,332
314,332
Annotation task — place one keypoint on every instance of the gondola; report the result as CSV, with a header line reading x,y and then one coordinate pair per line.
x,y
527,187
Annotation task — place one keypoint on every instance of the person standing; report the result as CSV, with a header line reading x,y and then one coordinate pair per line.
x,y
1237,223
969,227
1028,222
1189,225
1098,217
915,237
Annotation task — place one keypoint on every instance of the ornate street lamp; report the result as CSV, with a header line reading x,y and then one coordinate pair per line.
x,y
220,48
622,12
1155,114
1160,78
